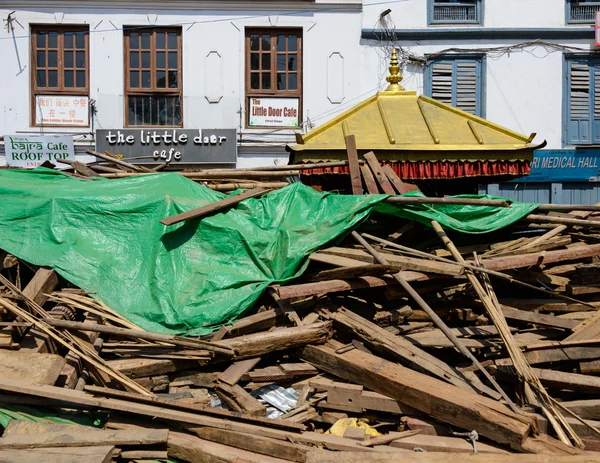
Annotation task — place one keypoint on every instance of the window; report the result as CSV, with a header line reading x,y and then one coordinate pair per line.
x,y
582,102
60,67
274,75
455,11
153,77
582,11
457,82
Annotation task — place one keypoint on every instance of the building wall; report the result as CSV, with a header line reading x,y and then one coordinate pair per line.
x,y
524,88
331,34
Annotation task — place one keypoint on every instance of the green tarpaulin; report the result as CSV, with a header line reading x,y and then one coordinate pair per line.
x,y
105,237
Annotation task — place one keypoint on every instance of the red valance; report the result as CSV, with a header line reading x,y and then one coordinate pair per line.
x,y
443,169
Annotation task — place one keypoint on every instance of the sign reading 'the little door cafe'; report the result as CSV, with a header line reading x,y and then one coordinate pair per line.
x,y
170,146
274,112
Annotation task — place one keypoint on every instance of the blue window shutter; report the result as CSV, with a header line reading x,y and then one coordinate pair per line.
x,y
579,103
595,110
456,82
467,86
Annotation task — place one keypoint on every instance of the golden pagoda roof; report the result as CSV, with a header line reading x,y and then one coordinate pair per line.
x,y
396,120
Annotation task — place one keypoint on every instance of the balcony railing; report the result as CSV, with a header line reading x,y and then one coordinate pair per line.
x,y
458,13
583,12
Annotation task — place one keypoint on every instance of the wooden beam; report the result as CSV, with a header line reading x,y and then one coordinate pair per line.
x,y
213,207
369,180
380,176
561,380
336,286
442,401
255,345
91,438
98,454
236,370
399,185
353,165
539,319
397,347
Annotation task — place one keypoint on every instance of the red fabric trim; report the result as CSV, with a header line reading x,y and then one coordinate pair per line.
x,y
442,169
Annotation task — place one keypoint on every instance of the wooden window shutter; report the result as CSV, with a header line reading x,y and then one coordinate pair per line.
x,y
578,130
442,81
467,85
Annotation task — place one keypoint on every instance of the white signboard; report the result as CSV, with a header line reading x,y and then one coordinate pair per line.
x,y
57,110
30,152
274,112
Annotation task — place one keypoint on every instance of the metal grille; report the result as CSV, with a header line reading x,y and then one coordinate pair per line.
x,y
457,12
584,12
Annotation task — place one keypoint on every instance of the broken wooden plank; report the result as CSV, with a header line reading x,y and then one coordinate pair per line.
x,y
213,207
442,401
539,319
236,370
97,454
563,380
355,179
401,262
336,286
397,347
400,186
91,438
255,345
239,400
445,444
33,367
387,438
141,367
380,176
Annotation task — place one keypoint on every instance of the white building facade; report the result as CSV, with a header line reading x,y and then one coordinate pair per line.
x,y
264,68
269,69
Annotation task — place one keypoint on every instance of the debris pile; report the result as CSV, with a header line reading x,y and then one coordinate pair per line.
x,y
401,340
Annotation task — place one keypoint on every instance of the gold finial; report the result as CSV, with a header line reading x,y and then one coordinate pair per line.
x,y
394,76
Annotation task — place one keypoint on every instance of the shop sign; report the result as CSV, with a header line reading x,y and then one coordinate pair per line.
x,y
576,165
274,112
57,110
30,152
171,146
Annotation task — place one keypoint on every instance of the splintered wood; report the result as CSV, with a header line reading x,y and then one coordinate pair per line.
x,y
401,337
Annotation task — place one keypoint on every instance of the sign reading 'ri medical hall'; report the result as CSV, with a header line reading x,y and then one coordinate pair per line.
x,y
170,146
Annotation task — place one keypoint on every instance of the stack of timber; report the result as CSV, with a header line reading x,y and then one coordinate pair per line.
x,y
109,165
404,342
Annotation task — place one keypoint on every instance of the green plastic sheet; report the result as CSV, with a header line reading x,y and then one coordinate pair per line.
x,y
105,237
461,218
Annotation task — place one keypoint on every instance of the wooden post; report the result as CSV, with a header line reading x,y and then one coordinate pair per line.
x,y
353,165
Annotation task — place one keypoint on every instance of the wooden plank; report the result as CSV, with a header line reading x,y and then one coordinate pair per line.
x,y
548,257
187,343
30,366
78,399
399,185
402,262
557,354
141,367
239,400
563,380
261,321
213,207
350,284
353,165
190,407
99,454
324,456
255,345
82,169
586,409
587,329
442,401
539,319
33,427
548,305
85,439
195,450
369,180
262,445
380,176
444,444
399,348
353,272
387,438
236,370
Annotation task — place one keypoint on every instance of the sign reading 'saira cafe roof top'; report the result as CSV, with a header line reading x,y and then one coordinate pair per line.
x,y
32,151
171,146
